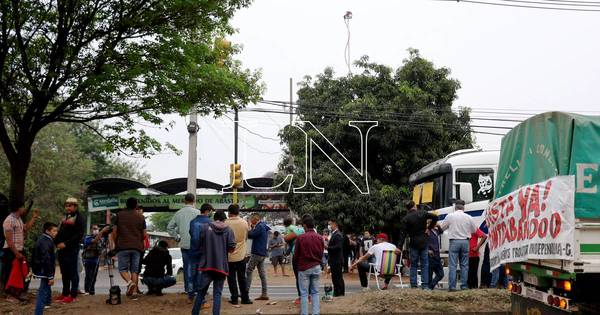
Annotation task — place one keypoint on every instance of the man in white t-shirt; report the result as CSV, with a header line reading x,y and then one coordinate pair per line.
x,y
376,251
458,226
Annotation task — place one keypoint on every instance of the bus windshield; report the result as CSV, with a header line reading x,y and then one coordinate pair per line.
x,y
432,192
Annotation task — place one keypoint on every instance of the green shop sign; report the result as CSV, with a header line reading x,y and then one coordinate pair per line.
x,y
174,202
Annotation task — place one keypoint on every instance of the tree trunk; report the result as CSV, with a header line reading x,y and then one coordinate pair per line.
x,y
18,174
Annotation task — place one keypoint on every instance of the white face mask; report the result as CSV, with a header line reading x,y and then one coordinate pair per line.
x,y
95,232
329,227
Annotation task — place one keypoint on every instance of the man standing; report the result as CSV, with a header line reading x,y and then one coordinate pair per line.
x,y
217,240
291,233
91,254
179,228
415,226
128,233
376,252
475,242
157,261
67,241
237,264
196,249
435,262
460,226
260,236
14,233
276,245
308,253
336,258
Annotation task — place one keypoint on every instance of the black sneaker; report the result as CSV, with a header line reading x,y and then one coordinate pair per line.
x,y
247,302
233,302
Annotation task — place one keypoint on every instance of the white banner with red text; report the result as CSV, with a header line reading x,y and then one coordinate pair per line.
x,y
534,222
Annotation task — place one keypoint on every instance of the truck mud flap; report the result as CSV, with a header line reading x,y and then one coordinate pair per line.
x,y
524,306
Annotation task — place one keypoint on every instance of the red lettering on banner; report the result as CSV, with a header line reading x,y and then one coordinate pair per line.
x,y
546,193
543,228
522,199
513,229
555,222
533,228
534,203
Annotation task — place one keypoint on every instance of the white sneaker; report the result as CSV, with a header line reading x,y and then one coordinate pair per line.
x,y
366,289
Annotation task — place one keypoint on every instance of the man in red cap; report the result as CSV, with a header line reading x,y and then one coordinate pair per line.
x,y
376,250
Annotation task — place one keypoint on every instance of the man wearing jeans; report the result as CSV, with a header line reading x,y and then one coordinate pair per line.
x,y
128,233
216,241
260,236
415,225
179,228
308,253
460,226
237,263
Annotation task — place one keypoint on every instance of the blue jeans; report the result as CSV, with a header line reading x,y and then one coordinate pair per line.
x,y
190,273
44,297
421,255
91,272
218,280
459,249
435,266
129,261
309,284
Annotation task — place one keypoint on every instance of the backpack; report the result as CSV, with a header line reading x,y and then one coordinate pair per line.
x,y
91,251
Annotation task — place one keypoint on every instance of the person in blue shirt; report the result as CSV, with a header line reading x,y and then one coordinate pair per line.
x,y
435,262
90,255
196,247
259,236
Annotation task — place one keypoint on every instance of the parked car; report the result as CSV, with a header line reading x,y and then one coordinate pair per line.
x,y
176,262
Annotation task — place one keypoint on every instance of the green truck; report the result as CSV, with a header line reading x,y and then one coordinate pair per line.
x,y
545,218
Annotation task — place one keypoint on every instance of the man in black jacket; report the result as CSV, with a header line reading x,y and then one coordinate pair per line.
x,y
67,241
154,276
335,249
415,225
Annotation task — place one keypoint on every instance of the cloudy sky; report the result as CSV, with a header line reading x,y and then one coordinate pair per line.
x,y
514,60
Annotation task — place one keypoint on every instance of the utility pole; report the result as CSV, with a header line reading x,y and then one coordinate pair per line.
x,y
235,151
291,100
192,128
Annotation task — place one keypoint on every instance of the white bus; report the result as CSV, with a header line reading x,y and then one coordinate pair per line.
x,y
465,174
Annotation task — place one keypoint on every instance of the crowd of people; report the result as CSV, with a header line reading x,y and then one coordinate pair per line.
x,y
214,249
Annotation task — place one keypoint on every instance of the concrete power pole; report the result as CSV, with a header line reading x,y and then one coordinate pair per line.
x,y
192,128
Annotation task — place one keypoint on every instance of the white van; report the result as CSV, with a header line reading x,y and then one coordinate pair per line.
x,y
465,174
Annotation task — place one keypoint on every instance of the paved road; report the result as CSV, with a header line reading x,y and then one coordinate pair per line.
x,y
280,291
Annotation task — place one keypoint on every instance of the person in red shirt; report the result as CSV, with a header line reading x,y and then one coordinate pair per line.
x,y
308,255
475,242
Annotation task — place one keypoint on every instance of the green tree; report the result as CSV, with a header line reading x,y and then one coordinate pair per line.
x,y
416,126
127,61
160,220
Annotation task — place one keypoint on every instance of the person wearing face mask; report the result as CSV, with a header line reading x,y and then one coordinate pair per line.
x,y
91,254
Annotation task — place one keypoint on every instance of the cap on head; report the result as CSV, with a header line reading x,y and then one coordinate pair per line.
x,y
72,201
383,236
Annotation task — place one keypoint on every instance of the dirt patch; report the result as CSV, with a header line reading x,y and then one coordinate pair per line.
x,y
400,301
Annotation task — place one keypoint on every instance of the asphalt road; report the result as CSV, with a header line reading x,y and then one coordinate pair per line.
x,y
279,291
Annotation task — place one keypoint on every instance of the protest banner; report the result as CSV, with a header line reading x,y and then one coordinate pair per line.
x,y
534,222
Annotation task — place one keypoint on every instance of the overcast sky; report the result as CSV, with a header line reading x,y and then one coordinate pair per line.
x,y
515,59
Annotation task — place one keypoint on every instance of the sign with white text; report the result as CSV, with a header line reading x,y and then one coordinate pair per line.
x,y
534,222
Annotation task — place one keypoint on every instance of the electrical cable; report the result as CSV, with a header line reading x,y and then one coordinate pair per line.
x,y
521,6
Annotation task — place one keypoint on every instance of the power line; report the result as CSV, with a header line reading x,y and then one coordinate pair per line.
x,y
252,132
521,6
552,3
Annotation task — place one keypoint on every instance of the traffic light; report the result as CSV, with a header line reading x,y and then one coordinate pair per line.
x,y
237,181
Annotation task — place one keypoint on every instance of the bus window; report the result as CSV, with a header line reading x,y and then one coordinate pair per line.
x,y
431,194
482,181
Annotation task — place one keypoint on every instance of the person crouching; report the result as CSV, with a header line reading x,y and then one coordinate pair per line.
x,y
155,277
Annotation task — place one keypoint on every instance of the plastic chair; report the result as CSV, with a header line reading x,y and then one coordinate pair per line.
x,y
388,267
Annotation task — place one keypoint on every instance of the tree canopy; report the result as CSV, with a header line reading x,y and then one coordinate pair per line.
x,y
125,61
416,125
